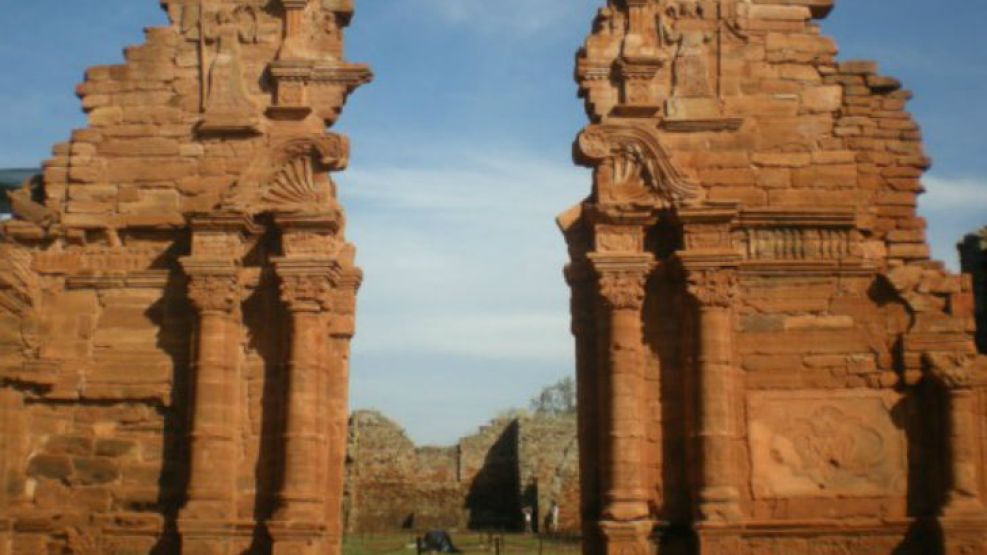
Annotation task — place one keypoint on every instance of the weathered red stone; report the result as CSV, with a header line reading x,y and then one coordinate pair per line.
x,y
177,298
768,361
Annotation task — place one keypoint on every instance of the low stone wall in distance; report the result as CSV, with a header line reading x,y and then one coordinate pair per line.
x,y
482,483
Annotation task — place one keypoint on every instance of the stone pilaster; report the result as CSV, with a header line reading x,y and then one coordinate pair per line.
x,y
209,514
342,329
298,526
714,290
588,379
625,525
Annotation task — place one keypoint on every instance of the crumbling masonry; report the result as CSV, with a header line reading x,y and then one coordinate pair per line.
x,y
177,297
768,361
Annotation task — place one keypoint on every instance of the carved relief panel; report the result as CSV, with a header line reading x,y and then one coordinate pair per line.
x,y
826,444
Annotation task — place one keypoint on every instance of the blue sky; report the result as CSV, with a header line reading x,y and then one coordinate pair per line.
x,y
461,160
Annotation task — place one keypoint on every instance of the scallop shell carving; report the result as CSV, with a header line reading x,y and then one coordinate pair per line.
x,y
294,184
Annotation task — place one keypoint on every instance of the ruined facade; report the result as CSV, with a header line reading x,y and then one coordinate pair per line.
x,y
973,259
177,297
768,361
481,483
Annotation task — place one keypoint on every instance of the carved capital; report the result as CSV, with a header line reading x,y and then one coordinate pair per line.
x,y
955,370
214,285
623,289
214,292
713,288
306,293
307,284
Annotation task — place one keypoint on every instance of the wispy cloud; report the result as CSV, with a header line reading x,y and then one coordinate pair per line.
x,y
462,255
968,194
953,206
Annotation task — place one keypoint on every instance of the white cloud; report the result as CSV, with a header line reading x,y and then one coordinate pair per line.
x,y
945,193
532,336
953,207
462,256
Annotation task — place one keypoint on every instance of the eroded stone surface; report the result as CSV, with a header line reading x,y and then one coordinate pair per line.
x,y
767,357
177,297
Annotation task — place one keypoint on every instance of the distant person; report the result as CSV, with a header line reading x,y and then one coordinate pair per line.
x,y
528,518
553,518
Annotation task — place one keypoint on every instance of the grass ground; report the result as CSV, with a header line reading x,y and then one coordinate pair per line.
x,y
470,543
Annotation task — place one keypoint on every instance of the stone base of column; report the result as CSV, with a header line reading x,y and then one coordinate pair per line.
x,y
208,537
294,538
963,536
963,507
720,504
627,538
719,541
6,525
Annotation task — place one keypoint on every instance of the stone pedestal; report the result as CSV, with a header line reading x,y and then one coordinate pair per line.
x,y
298,539
626,538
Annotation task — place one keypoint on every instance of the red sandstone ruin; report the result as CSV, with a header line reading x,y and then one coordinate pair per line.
x,y
177,297
768,360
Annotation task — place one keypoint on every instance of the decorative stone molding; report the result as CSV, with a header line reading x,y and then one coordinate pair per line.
x,y
631,156
291,178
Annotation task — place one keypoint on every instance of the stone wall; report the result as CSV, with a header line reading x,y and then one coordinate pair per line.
x,y
768,361
481,483
177,297
973,259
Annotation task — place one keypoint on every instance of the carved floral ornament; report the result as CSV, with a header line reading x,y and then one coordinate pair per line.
x,y
632,154
623,289
713,288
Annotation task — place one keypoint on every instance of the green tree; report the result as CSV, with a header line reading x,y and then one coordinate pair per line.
x,y
558,398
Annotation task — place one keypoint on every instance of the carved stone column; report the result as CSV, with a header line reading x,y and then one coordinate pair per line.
x,y
211,508
955,371
625,510
714,290
298,525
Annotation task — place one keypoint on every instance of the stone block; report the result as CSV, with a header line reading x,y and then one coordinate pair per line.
x,y
52,467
